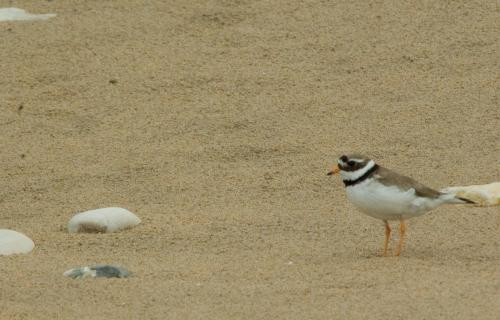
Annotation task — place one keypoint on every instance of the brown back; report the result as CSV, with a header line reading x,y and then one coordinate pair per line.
x,y
388,177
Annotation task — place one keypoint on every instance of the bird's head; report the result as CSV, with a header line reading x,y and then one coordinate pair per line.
x,y
352,166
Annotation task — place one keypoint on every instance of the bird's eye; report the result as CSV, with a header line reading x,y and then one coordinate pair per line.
x,y
351,163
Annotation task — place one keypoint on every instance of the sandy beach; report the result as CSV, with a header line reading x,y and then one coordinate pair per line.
x,y
216,123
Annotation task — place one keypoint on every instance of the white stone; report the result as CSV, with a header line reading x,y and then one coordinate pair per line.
x,y
13,242
13,14
483,195
103,220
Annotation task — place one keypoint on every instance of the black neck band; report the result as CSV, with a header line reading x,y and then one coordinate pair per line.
x,y
362,178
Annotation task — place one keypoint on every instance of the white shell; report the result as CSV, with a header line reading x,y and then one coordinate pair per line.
x,y
103,220
12,14
484,195
13,242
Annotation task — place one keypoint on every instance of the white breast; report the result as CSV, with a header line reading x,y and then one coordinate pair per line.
x,y
388,202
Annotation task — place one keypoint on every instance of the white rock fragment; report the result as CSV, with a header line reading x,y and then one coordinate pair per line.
x,y
483,195
13,242
103,220
13,14
99,271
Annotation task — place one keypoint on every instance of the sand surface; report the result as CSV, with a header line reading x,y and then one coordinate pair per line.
x,y
216,122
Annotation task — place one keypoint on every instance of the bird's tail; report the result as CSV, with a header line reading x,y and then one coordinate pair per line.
x,y
454,199
482,195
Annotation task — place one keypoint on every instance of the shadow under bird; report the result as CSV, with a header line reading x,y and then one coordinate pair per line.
x,y
387,195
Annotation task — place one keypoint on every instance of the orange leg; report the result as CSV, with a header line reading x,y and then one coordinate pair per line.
x,y
402,232
387,237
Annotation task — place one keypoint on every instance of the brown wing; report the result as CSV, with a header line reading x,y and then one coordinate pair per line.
x,y
388,177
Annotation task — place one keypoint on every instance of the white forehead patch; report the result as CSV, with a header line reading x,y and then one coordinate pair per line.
x,y
356,160
342,163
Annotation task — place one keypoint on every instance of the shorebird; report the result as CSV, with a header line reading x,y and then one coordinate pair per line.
x,y
387,195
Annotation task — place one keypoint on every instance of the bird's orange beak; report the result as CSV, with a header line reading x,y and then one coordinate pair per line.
x,y
335,170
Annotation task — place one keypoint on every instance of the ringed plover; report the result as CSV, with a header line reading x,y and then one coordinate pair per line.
x,y
387,195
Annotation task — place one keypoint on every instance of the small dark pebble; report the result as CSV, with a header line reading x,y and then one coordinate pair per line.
x,y
21,107
113,81
23,156
98,271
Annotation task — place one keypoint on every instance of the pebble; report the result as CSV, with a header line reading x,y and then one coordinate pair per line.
x,y
103,220
98,271
13,242
13,14
483,195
